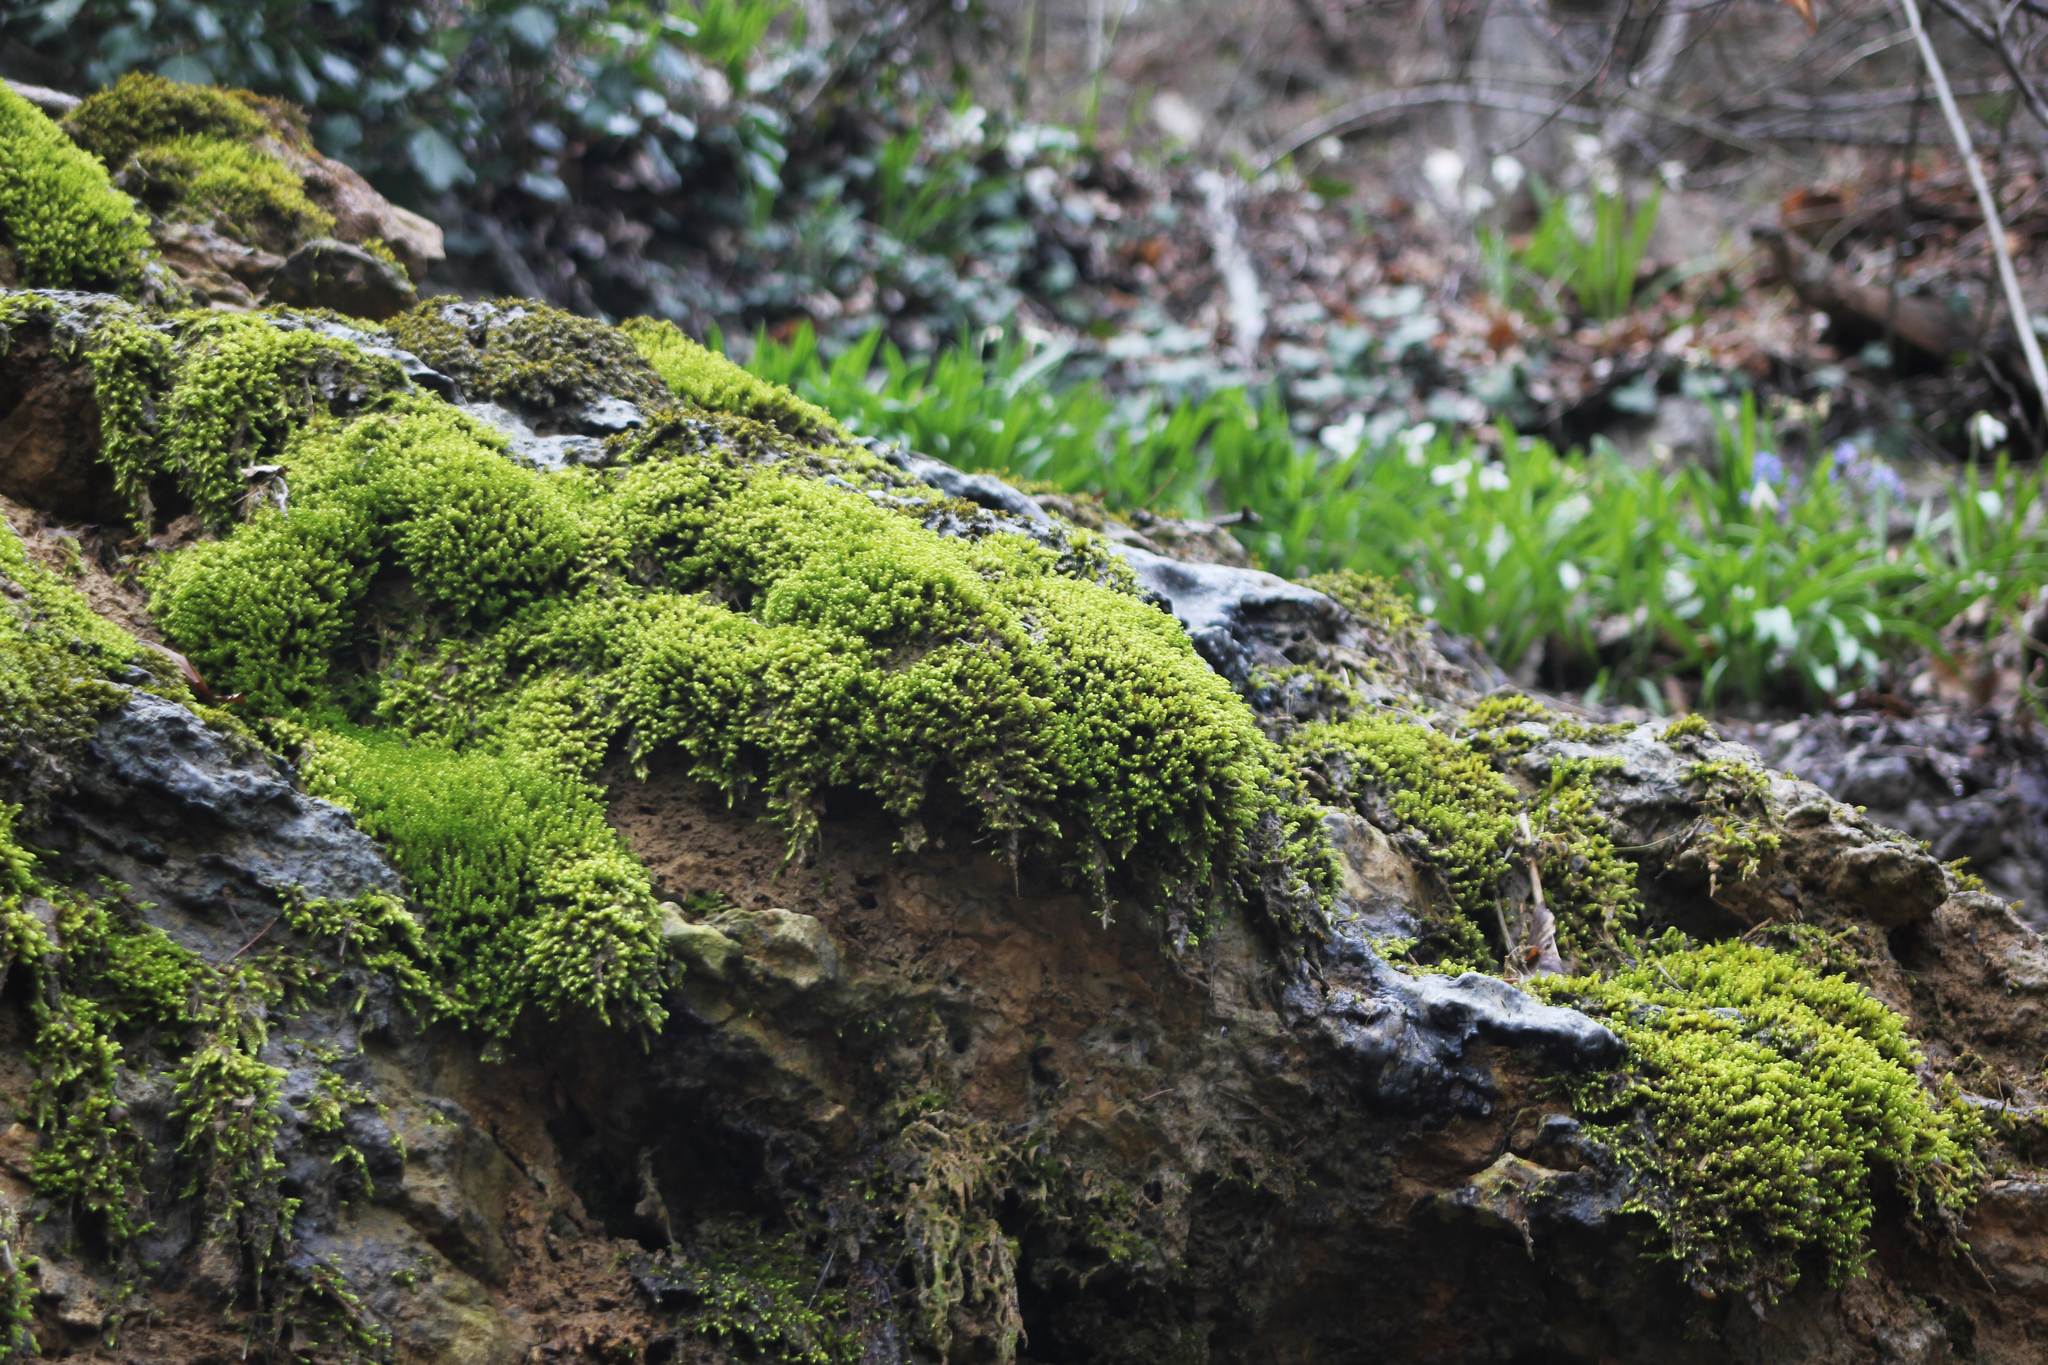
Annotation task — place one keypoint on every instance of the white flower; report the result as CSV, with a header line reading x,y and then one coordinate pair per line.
x,y
1992,505
1344,438
1474,583
1569,577
1672,173
1493,478
1443,169
1585,148
1568,513
1330,149
1774,625
1413,440
1453,476
1762,497
1987,431
1509,173
1497,543
1677,585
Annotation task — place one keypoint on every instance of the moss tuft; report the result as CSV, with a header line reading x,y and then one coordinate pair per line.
x,y
517,351
246,190
65,225
532,900
703,377
1376,601
1758,1102
141,110
58,659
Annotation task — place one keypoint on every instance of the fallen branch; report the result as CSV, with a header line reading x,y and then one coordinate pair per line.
x,y
1921,323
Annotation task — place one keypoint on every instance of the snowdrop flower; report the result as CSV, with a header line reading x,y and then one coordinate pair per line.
x,y
1474,583
1344,438
1762,497
1569,577
1672,173
1677,585
1452,475
1413,440
1585,149
1509,173
1991,504
1493,478
1987,431
1443,169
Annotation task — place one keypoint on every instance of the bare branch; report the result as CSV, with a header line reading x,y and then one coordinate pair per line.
x,y
1994,228
1994,38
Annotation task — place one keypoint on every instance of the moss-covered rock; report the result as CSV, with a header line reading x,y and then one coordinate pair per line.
x,y
194,154
1758,1105
459,647
62,224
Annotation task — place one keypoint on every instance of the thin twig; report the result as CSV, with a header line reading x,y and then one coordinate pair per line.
x,y
1994,227
252,942
1994,38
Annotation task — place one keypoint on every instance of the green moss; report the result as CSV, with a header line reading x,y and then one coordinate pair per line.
x,y
1738,830
1690,726
517,351
532,900
194,153
66,226
141,110
1376,601
758,1295
247,191
1758,1103
1461,809
58,659
1450,792
227,396
17,1294
776,633
708,380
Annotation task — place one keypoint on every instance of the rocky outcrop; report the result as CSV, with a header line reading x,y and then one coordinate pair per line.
x,y
738,893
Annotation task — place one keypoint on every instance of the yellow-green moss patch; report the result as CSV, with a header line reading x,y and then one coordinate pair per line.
x,y
706,379
61,220
1758,1103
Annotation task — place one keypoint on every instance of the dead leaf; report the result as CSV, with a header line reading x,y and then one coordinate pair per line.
x,y
1805,8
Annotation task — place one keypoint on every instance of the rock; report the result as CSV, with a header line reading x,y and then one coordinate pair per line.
x,y
55,103
221,270
542,452
700,946
781,948
1379,895
325,273
1829,859
984,490
2009,1237
360,213
206,827
49,419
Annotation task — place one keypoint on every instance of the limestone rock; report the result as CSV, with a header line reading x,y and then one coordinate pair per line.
x,y
325,273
